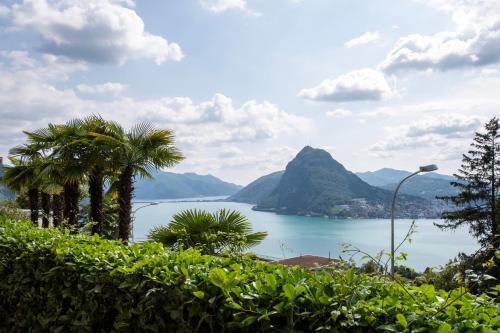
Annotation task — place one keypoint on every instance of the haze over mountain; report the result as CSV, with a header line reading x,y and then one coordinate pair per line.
x,y
169,185
316,184
4,192
259,189
428,185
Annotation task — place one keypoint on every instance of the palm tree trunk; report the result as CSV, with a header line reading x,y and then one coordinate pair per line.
x,y
71,202
96,191
125,191
33,201
57,210
45,209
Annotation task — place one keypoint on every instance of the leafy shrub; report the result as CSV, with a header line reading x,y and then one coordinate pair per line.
x,y
12,209
51,280
478,272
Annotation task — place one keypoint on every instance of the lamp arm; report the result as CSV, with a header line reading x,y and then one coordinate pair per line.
x,y
397,189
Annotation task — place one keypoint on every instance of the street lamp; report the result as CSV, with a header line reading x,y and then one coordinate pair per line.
x,y
425,168
147,204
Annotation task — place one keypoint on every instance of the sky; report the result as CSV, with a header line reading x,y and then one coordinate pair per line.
x,y
246,84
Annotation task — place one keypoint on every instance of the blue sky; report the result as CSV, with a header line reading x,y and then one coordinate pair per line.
x,y
247,83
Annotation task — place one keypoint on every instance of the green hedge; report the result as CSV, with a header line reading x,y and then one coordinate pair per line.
x,y
53,281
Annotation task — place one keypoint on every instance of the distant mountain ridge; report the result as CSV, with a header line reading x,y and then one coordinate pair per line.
x,y
169,185
259,189
315,184
428,185
4,192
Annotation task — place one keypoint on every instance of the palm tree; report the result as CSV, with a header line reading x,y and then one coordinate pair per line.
x,y
46,208
97,160
52,192
211,233
21,177
30,169
65,144
137,152
57,210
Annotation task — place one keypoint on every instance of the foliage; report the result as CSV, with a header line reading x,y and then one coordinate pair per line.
x,y
12,209
379,263
210,233
479,188
137,152
57,160
109,226
53,281
470,271
446,277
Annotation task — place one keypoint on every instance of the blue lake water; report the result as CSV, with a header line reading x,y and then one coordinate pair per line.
x,y
294,235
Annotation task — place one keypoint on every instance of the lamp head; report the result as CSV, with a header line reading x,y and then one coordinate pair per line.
x,y
428,168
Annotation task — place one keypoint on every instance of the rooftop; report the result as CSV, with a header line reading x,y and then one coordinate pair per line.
x,y
309,261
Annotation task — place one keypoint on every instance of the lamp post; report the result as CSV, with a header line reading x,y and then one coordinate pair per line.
x,y
147,204
425,168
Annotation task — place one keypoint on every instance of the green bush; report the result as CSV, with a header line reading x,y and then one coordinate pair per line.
x,y
51,280
12,209
479,272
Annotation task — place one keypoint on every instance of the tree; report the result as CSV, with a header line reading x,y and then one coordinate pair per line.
x,y
64,145
211,233
478,184
137,152
21,177
97,161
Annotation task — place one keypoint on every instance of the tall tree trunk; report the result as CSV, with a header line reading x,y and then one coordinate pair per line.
x,y
71,202
33,201
57,210
494,227
96,191
125,191
45,209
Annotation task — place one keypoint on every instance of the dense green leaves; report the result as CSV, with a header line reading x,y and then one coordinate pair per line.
x,y
210,233
53,281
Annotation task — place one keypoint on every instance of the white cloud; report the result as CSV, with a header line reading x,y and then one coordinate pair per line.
x,y
466,13
429,133
48,67
113,88
98,31
265,161
220,6
361,85
451,126
218,120
230,151
30,99
367,37
455,105
339,113
4,11
475,42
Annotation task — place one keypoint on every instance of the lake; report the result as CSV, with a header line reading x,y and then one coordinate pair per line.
x,y
294,235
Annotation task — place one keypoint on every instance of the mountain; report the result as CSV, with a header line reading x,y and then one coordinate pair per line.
x,y
383,176
4,192
315,184
427,185
259,189
169,185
